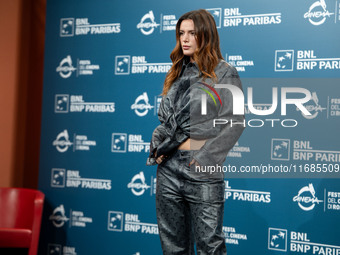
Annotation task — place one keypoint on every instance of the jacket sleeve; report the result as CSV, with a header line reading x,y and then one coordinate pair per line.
x,y
176,126
215,149
158,134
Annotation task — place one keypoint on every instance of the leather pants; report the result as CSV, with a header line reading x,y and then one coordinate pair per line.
x,y
189,207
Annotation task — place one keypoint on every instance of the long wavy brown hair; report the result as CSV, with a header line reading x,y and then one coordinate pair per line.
x,y
207,54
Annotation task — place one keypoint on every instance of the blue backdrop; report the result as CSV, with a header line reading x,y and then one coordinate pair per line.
x,y
105,63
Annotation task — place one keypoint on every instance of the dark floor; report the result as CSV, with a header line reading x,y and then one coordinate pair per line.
x,y
13,251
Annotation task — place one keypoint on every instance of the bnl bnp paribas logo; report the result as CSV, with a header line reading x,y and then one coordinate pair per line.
x,y
58,249
81,26
217,14
122,142
284,60
280,149
277,239
132,224
122,64
58,178
318,13
65,103
115,221
305,60
126,65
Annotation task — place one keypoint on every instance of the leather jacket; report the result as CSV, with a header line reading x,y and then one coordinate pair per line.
x,y
180,114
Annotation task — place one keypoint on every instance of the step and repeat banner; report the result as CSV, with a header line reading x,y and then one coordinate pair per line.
x,y
105,63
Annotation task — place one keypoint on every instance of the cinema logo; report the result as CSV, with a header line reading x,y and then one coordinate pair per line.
x,y
77,218
132,223
168,22
239,105
62,142
58,217
83,67
317,13
148,23
80,142
65,103
141,105
314,107
306,198
81,26
138,184
246,195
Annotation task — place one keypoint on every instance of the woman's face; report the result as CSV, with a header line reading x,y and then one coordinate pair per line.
x,y
188,38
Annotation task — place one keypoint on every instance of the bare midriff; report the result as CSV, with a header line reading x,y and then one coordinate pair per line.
x,y
191,144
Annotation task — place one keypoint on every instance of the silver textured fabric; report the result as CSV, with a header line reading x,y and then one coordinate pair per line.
x,y
190,204
181,118
189,208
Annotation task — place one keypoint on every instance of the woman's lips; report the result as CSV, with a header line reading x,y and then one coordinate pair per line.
x,y
186,47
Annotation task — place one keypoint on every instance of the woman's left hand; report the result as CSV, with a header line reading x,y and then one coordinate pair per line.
x,y
193,161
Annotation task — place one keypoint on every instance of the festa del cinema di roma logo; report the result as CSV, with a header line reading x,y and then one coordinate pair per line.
x,y
306,198
147,24
138,185
58,217
238,104
141,105
62,142
65,68
317,13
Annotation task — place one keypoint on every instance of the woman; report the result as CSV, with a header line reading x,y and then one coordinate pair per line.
x,y
190,200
